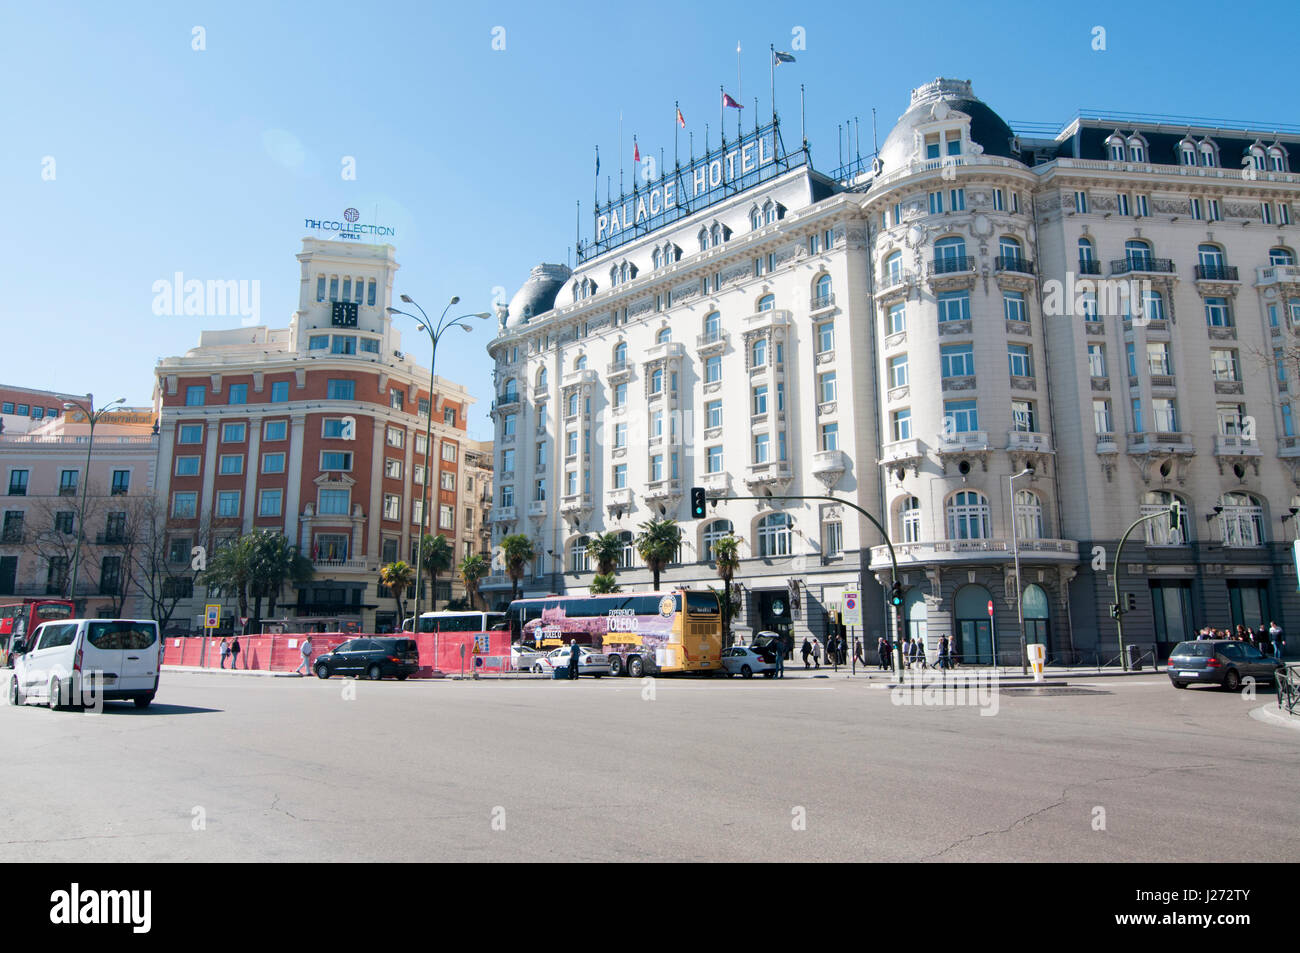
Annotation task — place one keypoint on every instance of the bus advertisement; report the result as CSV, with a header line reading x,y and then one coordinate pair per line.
x,y
642,633
456,621
19,618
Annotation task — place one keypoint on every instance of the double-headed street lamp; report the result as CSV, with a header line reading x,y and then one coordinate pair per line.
x,y
435,333
94,417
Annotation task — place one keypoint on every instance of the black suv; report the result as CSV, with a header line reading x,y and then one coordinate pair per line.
x,y
375,658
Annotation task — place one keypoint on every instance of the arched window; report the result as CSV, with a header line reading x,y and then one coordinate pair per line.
x,y
909,519
822,291
510,392
1138,254
541,378
658,258
1242,520
578,561
657,381
755,218
1137,149
1187,152
1277,158
968,516
1153,306
774,535
712,326
663,334
712,533
628,553
620,352
1254,157
613,275
1209,254
580,363
624,274
1115,147
1209,154
758,352
894,268
769,212
767,302
1008,252
1029,515
1158,531
1281,256
704,239
1087,257
717,235
950,255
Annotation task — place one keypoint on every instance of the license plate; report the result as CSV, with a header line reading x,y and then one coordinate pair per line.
x,y
1189,674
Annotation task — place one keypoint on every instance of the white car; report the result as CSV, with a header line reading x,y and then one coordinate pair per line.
x,y
590,662
744,661
75,662
524,657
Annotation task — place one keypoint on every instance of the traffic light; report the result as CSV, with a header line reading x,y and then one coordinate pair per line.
x,y
1114,610
1130,601
697,503
1175,515
896,594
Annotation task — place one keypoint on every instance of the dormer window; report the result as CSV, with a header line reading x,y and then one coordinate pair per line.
x,y
1137,149
1209,154
1187,152
755,218
1277,158
953,138
1255,157
1116,148
932,145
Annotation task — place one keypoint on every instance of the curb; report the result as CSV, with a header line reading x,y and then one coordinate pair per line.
x,y
1272,715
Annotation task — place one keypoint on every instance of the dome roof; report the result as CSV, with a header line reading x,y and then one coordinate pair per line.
x,y
537,296
931,103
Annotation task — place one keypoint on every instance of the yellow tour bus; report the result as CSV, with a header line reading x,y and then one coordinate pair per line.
x,y
643,633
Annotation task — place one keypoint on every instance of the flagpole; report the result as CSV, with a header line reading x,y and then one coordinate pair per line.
x,y
722,118
677,109
740,91
772,70
620,154
803,126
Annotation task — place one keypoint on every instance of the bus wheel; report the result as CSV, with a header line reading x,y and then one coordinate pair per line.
x,y
635,667
615,665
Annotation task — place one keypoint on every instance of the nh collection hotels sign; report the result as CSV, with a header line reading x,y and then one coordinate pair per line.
x,y
350,229
721,173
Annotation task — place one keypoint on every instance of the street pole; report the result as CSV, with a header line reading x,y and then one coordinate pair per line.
x,y
1173,514
435,334
93,418
1015,550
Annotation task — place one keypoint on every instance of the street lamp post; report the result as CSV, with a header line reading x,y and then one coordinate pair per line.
x,y
93,416
435,334
1015,552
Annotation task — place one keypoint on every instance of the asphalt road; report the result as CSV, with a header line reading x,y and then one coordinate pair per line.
x,y
227,768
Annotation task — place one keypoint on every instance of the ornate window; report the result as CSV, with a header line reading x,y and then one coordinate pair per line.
x,y
712,533
578,560
1242,520
968,515
1158,531
1029,515
909,518
774,537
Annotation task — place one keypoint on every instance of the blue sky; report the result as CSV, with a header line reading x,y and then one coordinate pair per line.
x,y
206,162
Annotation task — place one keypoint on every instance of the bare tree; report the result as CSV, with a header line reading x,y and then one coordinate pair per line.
x,y
164,582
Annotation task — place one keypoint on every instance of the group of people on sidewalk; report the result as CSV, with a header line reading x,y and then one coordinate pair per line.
x,y
913,653
836,651
230,650
1268,639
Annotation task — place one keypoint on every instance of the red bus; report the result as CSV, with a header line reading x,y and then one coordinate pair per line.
x,y
19,618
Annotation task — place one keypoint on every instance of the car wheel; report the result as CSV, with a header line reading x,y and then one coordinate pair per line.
x,y
16,697
746,671
143,701
538,670
1231,681
635,667
374,673
55,690
1180,684
322,670
616,665
402,677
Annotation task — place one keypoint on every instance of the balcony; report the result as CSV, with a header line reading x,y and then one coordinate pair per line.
x,y
1063,551
1090,268
538,509
951,265
711,342
1213,272
1014,263
1288,447
1231,386
618,498
574,378
822,302
618,370
908,452
1160,442
772,317
1235,445
1278,275
716,484
829,465
1142,266
506,402
502,514
355,565
768,475
575,503
893,283
966,442
665,349
1032,442
1106,443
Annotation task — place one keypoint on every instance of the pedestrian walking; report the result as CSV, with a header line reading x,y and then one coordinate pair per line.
x,y
234,654
225,652
1279,643
857,652
305,649
887,659
943,661
816,653
780,659
573,659
806,651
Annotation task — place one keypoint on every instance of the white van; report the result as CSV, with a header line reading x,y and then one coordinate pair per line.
x,y
74,661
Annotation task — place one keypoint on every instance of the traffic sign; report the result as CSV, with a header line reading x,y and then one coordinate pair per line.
x,y
852,607
990,608
211,617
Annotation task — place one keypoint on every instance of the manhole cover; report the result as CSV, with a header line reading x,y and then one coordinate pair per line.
x,y
1053,691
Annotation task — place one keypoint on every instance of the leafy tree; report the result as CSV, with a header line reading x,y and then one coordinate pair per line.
x,y
230,569
398,577
518,552
607,550
602,583
658,544
473,568
726,559
274,562
436,556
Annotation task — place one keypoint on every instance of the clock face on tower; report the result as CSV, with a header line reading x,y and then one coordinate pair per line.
x,y
343,314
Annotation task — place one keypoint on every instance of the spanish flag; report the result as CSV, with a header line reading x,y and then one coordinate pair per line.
x,y
681,121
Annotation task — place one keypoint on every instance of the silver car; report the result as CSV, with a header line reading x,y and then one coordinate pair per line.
x,y
590,662
1224,662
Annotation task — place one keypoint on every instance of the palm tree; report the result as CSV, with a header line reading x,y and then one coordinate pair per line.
x,y
518,552
607,550
274,562
231,569
473,568
437,556
398,577
602,583
658,544
726,558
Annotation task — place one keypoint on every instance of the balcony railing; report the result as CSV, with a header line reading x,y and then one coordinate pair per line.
x,y
1271,274
1213,272
11,536
822,301
1064,550
1090,268
1235,445
1160,266
1015,263
968,440
953,264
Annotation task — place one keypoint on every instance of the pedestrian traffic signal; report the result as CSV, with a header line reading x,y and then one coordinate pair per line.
x,y
697,503
1130,601
1175,515
896,595
1114,610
